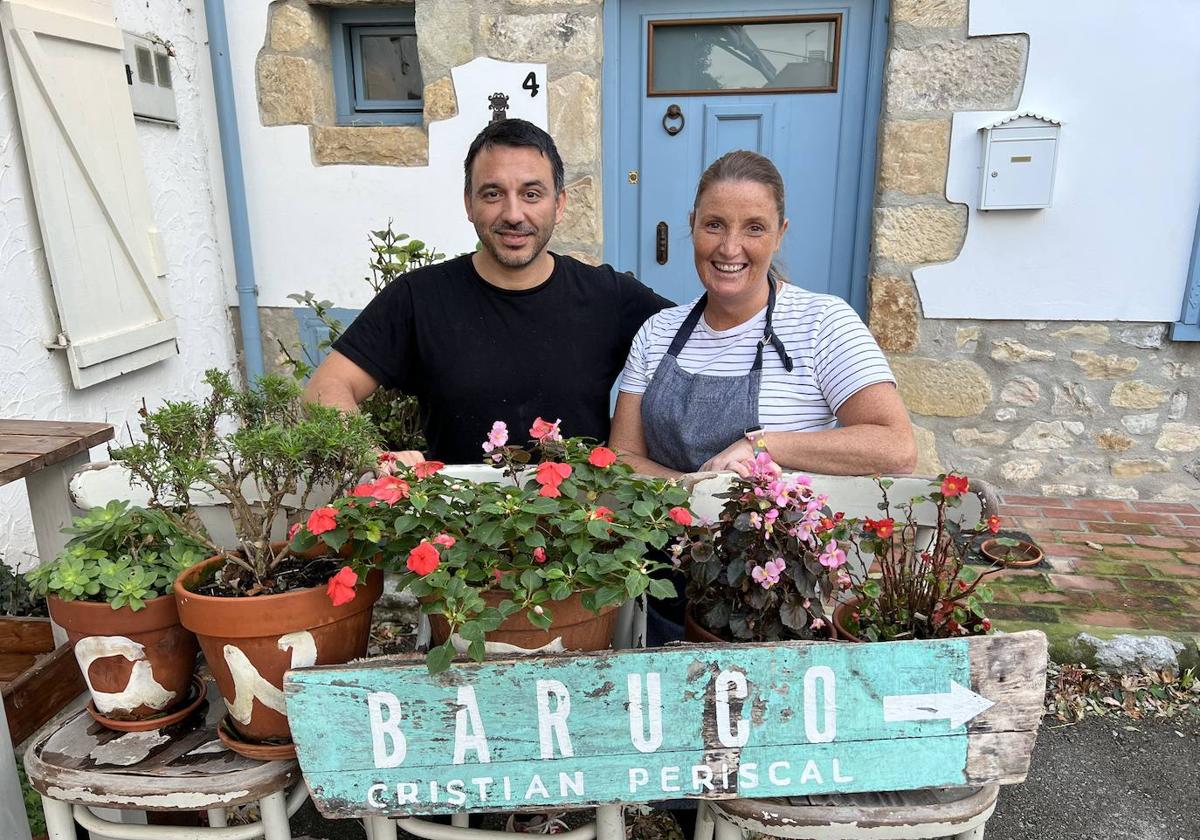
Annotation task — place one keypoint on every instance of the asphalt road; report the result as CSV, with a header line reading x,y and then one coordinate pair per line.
x,y
1107,779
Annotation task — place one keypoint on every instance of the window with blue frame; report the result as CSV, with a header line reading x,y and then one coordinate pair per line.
x,y
377,74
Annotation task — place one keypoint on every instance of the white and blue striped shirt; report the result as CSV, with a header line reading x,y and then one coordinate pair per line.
x,y
833,352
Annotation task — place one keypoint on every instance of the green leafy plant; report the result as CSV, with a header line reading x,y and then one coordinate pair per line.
x,y
16,598
921,590
263,450
33,802
759,572
576,522
395,414
119,554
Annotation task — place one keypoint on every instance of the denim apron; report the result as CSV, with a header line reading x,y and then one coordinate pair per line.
x,y
688,418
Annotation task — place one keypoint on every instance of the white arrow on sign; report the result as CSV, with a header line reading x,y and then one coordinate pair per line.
x,y
959,706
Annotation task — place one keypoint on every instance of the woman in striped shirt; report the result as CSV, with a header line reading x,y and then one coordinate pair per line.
x,y
755,361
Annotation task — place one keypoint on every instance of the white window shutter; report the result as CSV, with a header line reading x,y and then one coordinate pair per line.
x,y
89,186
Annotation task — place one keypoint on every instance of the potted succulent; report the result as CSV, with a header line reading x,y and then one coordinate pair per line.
x,y
538,559
111,591
759,572
259,608
917,589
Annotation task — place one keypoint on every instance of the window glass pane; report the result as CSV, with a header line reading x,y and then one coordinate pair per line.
x,y
145,65
163,63
390,69
748,55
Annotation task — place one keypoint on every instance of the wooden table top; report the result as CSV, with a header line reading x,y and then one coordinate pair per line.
x,y
27,446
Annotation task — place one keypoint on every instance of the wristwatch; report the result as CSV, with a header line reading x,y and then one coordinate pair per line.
x,y
757,437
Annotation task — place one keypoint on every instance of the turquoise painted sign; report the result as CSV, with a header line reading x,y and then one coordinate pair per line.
x,y
386,738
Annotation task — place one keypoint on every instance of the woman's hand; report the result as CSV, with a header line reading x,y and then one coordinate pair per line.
x,y
389,460
738,457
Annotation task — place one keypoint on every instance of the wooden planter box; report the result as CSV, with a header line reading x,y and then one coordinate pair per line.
x,y
37,679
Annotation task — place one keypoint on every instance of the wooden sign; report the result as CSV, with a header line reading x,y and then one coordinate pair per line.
x,y
384,738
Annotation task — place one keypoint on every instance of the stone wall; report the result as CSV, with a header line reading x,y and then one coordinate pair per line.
x,y
293,75
1058,408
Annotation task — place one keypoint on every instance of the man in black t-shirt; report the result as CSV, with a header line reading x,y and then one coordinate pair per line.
x,y
511,332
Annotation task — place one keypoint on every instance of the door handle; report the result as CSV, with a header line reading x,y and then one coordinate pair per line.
x,y
660,243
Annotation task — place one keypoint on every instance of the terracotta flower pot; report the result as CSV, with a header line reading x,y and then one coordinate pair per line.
x,y
250,642
137,665
1020,556
841,613
575,626
694,631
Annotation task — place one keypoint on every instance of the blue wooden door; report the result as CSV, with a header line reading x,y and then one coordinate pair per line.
x,y
789,80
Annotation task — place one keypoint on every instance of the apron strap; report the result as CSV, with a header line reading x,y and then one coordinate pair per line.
x,y
769,335
689,324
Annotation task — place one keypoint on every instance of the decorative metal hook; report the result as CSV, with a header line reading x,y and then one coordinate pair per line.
x,y
673,113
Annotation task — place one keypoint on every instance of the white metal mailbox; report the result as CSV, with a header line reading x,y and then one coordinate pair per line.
x,y
1019,158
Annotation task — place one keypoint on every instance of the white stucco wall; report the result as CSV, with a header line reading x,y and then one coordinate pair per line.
x,y
309,223
1123,78
181,166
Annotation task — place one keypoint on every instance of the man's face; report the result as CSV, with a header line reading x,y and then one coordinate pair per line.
x,y
513,204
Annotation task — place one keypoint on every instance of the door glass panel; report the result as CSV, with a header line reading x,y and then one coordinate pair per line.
x,y
770,55
390,69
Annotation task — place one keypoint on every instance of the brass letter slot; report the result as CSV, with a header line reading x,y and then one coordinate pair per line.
x,y
1020,158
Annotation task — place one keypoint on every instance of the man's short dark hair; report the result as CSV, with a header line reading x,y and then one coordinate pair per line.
x,y
515,134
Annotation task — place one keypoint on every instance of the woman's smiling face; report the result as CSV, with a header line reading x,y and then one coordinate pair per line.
x,y
736,230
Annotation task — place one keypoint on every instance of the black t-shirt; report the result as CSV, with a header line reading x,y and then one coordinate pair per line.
x,y
473,353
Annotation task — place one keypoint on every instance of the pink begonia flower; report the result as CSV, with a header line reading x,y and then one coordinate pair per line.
x,y
770,516
832,557
817,624
497,437
755,520
445,540
292,531
543,430
768,574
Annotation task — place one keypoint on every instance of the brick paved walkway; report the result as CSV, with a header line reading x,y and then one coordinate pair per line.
x,y
1115,567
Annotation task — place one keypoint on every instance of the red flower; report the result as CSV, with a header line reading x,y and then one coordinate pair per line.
x,y
322,519
445,540
363,490
869,524
993,524
423,559
424,469
602,513
550,474
539,555
543,430
341,586
292,531
602,457
681,515
986,624
883,528
954,485
390,489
